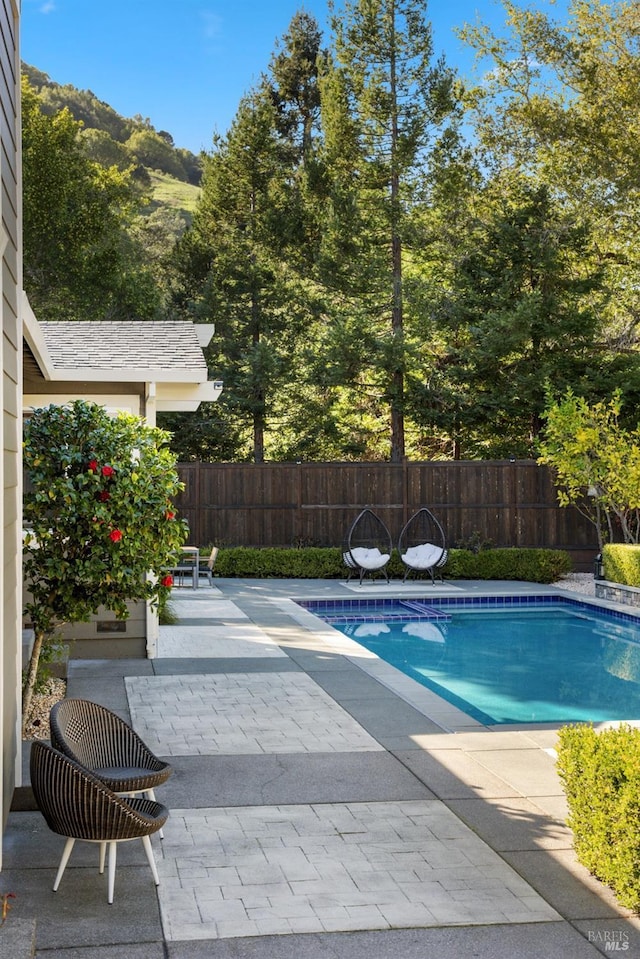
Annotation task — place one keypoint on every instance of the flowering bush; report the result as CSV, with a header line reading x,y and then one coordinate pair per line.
x,y
102,529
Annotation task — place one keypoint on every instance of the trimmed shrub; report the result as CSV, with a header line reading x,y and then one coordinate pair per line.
x,y
621,562
530,565
601,777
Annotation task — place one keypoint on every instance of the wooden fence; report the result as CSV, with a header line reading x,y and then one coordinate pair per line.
x,y
313,504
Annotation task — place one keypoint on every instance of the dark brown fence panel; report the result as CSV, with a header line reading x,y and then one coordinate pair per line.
x,y
285,504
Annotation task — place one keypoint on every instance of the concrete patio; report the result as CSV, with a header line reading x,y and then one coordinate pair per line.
x,y
322,805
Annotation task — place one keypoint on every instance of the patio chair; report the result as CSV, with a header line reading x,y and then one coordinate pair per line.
x,y
367,547
185,571
422,545
206,566
109,748
77,805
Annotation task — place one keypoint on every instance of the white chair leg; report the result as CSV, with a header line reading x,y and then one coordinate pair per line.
x,y
66,852
146,842
113,846
151,794
103,852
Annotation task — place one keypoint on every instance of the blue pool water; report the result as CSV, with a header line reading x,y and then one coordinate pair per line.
x,y
536,661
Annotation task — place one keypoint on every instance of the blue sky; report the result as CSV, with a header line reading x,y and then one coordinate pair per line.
x,y
185,64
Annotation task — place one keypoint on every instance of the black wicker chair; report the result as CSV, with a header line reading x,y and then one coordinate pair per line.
x,y
77,805
367,547
422,545
103,743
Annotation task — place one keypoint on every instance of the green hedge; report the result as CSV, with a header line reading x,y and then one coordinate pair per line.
x,y
621,563
601,777
530,565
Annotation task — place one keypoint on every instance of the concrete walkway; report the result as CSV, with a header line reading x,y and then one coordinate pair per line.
x,y
322,805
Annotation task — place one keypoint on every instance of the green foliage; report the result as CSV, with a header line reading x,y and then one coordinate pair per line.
x,y
596,462
98,512
384,104
235,272
559,101
621,563
306,563
515,315
145,146
167,192
531,565
78,260
374,274
102,124
601,777
167,615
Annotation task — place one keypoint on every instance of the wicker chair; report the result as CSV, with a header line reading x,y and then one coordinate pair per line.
x,y
367,547
422,545
102,742
77,805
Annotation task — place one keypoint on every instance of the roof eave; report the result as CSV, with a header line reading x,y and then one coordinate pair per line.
x,y
126,375
34,337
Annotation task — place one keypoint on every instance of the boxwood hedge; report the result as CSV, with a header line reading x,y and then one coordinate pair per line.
x,y
600,772
530,565
621,562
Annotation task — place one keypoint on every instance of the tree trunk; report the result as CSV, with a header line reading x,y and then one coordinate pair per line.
x,y
30,681
397,318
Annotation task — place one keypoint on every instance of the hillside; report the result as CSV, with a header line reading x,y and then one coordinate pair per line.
x,y
113,139
170,174
172,194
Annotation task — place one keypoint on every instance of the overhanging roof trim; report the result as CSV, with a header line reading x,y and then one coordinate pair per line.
x,y
129,375
122,351
32,333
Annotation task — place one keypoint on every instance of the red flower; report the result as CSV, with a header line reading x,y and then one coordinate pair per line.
x,y
107,471
167,580
93,465
115,535
170,515
104,495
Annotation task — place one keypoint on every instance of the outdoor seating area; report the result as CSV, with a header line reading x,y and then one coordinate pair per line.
x,y
192,567
478,855
368,546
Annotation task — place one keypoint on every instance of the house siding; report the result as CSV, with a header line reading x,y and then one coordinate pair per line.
x,y
10,423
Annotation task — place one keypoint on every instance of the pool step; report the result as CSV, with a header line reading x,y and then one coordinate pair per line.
x,y
426,611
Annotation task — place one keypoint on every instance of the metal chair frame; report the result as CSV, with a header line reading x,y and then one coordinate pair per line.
x,y
422,529
367,532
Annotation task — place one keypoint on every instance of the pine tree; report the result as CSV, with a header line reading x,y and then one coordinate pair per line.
x,y
384,101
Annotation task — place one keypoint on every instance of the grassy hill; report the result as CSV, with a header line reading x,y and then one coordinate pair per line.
x,y
169,193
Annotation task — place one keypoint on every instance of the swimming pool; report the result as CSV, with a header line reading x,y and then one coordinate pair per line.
x,y
505,660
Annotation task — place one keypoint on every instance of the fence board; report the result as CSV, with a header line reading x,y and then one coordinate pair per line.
x,y
286,504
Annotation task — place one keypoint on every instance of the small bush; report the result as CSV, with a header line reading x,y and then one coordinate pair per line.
x,y
601,777
621,563
530,565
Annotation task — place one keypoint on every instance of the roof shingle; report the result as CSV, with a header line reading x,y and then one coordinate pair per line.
x,y
154,345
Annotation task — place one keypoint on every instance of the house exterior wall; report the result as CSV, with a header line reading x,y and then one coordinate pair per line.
x,y
10,424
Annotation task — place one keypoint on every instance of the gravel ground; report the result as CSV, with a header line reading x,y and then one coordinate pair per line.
x,y
578,583
38,727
